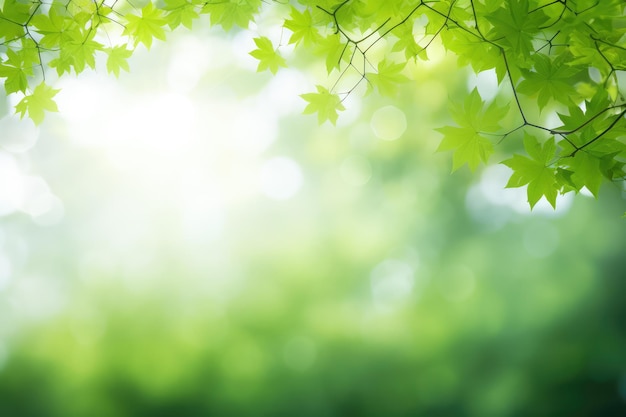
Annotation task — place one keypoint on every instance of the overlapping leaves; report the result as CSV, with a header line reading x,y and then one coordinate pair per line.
x,y
535,170
550,58
469,139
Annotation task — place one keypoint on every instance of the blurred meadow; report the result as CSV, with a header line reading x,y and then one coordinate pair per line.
x,y
184,242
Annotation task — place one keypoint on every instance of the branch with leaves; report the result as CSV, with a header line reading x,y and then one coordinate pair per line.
x,y
560,57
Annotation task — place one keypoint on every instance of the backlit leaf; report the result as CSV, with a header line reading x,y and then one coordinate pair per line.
x,y
147,26
268,57
37,103
117,59
324,103
469,141
535,172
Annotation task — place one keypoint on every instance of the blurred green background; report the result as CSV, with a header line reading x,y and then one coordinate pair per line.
x,y
183,242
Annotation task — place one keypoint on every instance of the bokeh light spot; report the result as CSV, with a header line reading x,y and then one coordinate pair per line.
x,y
17,135
388,123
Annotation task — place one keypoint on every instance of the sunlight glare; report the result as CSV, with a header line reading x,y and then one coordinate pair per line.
x,y
11,184
281,178
161,122
17,135
190,59
486,82
389,123
201,208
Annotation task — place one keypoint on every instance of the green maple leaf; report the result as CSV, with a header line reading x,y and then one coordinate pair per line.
x,y
229,13
50,25
550,79
180,12
77,50
13,69
13,18
586,172
15,79
147,26
406,42
535,171
387,78
333,49
302,28
84,10
83,54
63,63
583,49
10,30
268,57
117,59
324,103
468,141
469,146
474,51
514,27
28,55
573,120
586,125
474,114
37,103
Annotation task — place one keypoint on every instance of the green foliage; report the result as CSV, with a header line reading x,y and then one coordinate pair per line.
x,y
180,12
550,58
230,13
147,26
302,28
324,103
387,78
514,28
14,73
117,59
37,103
333,49
469,142
268,57
550,80
535,171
